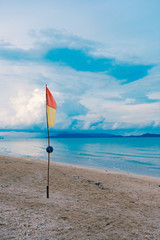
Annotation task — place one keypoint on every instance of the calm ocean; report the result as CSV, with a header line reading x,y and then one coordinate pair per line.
x,y
134,155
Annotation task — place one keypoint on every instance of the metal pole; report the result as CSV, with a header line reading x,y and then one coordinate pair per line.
x,y
48,165
49,149
47,188
48,176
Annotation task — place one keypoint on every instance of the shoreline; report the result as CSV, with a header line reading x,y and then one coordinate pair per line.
x,y
85,203
80,166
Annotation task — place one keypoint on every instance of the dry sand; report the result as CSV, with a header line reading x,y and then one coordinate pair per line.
x,y
84,203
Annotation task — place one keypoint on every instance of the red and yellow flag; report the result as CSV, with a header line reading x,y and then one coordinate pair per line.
x,y
51,108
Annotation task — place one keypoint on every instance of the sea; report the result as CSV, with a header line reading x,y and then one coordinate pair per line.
x,y
136,155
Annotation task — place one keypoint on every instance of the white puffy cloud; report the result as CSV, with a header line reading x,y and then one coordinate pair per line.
x,y
154,95
122,115
25,108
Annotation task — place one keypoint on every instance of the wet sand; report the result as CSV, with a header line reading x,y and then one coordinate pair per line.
x,y
84,204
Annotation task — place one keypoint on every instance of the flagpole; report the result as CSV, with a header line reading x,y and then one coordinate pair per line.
x,y
47,188
48,164
49,149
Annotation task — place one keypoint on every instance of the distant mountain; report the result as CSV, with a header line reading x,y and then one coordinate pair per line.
x,y
69,134
144,135
85,135
97,135
149,135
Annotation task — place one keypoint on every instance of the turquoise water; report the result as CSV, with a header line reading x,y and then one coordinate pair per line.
x,y
134,155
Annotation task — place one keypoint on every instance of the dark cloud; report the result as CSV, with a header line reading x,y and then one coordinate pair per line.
x,y
77,124
12,54
83,61
129,72
79,60
73,108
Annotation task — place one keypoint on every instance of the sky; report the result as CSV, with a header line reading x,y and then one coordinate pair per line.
x,y
99,58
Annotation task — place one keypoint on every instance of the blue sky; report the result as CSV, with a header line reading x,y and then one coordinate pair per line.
x,y
100,59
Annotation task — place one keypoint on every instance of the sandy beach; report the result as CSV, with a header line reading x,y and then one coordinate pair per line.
x,y
84,203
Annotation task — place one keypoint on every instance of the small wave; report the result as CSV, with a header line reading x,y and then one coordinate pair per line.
x,y
142,163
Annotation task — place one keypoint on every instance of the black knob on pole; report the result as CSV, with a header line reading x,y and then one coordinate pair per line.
x,y
49,149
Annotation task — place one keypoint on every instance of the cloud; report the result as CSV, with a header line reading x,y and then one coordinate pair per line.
x,y
129,72
83,61
93,92
120,114
54,38
73,108
25,109
126,30
78,59
154,95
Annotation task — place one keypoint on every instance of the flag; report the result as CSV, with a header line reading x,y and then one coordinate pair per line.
x,y
51,107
